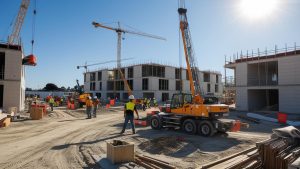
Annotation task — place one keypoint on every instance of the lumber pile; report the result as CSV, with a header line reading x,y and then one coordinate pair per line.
x,y
152,163
278,152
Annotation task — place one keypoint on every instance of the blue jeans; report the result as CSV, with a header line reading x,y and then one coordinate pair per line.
x,y
129,118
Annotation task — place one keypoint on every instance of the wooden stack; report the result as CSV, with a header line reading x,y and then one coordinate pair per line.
x,y
274,153
120,151
4,120
152,163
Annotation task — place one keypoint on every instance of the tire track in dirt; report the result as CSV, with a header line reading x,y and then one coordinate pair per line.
x,y
44,153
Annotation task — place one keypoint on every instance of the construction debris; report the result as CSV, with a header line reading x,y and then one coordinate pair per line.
x,y
278,152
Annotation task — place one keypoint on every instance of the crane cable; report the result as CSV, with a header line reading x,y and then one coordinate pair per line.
x,y
33,26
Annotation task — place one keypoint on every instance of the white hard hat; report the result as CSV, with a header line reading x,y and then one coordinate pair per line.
x,y
95,97
131,97
90,97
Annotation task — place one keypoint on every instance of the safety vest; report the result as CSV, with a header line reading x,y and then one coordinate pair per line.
x,y
130,106
51,100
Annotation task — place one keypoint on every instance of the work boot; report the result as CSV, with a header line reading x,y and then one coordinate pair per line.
x,y
133,132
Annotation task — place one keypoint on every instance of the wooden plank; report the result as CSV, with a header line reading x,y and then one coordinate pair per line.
x,y
166,166
227,158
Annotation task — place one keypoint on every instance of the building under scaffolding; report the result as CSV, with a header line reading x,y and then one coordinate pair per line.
x,y
268,80
149,81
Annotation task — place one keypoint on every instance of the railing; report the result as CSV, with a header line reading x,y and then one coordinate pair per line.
x,y
261,53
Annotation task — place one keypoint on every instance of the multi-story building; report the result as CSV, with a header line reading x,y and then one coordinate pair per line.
x,y
268,80
12,77
148,81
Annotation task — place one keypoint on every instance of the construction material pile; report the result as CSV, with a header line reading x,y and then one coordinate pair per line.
x,y
278,152
152,163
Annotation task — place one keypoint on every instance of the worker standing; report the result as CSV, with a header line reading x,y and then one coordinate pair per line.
x,y
89,106
154,102
95,106
51,102
129,110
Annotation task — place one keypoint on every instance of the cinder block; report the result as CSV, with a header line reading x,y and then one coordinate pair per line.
x,y
120,151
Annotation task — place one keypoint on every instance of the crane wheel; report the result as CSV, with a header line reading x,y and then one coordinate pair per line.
x,y
205,128
189,126
155,122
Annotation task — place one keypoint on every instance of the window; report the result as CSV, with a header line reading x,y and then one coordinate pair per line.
x,y
111,75
99,76
145,85
92,86
178,85
150,70
206,77
98,95
84,76
110,85
100,86
163,84
217,88
130,83
164,97
208,87
119,85
2,65
177,73
187,75
217,78
130,72
118,74
93,77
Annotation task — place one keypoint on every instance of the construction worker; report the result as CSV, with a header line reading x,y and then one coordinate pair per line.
x,y
51,103
148,103
89,106
95,106
129,109
154,102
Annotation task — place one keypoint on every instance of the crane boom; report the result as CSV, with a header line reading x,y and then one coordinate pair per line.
x,y
119,32
189,52
14,37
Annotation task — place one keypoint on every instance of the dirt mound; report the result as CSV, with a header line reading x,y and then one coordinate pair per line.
x,y
163,145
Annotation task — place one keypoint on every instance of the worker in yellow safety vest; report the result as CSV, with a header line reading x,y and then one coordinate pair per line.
x,y
129,110
51,103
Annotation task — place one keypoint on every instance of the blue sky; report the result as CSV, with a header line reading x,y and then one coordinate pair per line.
x,y
65,37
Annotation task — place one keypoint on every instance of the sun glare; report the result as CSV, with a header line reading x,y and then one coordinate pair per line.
x,y
258,9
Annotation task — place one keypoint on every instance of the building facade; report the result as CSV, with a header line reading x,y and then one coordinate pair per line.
x,y
148,81
268,82
12,77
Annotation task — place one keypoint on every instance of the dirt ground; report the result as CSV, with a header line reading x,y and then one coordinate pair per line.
x,y
65,139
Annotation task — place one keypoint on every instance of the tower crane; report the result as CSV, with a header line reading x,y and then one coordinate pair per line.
x,y
101,63
14,37
119,32
189,111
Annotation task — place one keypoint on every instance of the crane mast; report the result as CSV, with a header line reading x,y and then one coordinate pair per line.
x,y
189,52
119,32
14,37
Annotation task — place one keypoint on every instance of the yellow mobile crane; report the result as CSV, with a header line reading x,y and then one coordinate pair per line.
x,y
188,111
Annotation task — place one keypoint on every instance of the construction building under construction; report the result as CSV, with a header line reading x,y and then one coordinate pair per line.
x,y
266,81
12,77
149,81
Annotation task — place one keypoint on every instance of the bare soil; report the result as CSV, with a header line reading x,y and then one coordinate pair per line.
x,y
66,139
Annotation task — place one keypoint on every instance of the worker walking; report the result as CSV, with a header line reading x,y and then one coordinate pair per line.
x,y
89,106
95,106
129,110
51,103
